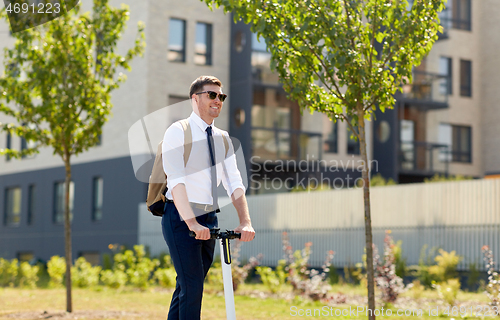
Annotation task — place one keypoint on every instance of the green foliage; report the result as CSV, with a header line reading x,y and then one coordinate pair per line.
x,y
443,178
399,261
421,272
240,271
273,279
107,262
473,276
312,187
446,267
84,274
448,290
214,275
378,180
28,275
56,267
334,276
165,274
136,265
8,272
416,289
166,277
115,279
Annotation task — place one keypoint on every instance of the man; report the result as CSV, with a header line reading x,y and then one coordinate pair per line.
x,y
192,190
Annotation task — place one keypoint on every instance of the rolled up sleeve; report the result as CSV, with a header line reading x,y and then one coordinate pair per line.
x,y
231,178
173,155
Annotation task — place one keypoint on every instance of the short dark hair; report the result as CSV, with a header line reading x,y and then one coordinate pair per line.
x,y
198,84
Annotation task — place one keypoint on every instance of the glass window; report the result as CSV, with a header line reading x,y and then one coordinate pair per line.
x,y
465,78
460,14
461,144
459,140
59,201
8,144
97,198
331,142
177,40
203,45
445,69
12,206
31,204
352,143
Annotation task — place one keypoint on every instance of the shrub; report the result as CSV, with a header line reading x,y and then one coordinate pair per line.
x,y
446,267
309,283
165,274
448,290
421,272
136,266
273,280
416,289
8,272
493,287
28,275
474,274
56,267
84,274
240,273
165,277
214,275
115,279
387,281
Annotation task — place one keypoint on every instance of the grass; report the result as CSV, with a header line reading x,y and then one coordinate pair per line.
x,y
153,303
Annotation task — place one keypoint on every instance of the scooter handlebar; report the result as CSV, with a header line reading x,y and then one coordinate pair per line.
x,y
216,234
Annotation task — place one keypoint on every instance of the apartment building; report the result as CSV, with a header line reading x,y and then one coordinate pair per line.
x,y
443,123
184,41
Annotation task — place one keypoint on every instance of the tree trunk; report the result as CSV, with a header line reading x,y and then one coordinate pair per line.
x,y
368,219
67,235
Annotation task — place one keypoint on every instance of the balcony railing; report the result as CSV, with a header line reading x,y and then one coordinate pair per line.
x,y
424,158
286,144
426,86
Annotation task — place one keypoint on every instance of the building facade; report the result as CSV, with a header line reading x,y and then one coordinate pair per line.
x,y
443,123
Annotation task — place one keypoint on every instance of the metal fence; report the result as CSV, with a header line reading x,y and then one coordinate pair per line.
x,y
461,216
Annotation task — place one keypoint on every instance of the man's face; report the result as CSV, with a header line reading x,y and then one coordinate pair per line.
x,y
208,109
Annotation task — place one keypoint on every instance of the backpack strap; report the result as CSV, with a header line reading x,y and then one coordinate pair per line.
x,y
226,145
188,139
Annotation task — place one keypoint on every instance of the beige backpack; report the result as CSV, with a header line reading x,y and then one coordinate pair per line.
x,y
157,188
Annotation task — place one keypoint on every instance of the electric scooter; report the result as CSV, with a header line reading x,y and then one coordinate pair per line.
x,y
225,258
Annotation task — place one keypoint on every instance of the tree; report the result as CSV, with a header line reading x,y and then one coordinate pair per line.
x,y
57,87
344,58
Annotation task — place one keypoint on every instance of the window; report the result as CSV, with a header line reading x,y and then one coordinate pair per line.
x,y
31,204
460,14
445,69
352,143
461,144
92,257
177,40
59,201
97,195
8,145
203,45
331,143
12,206
459,140
465,78
27,256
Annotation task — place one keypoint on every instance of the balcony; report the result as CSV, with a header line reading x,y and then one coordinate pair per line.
x,y
418,158
428,90
285,144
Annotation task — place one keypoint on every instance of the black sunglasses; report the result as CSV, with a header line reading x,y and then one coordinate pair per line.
x,y
212,95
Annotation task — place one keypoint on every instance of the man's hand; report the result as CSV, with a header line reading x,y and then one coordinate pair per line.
x,y
202,233
247,232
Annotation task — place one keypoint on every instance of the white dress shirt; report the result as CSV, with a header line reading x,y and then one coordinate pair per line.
x,y
196,175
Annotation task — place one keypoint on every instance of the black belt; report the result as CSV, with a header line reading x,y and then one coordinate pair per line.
x,y
199,206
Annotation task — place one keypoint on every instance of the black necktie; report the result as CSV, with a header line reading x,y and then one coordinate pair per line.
x,y
213,172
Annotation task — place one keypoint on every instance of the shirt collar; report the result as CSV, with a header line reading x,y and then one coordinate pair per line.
x,y
200,123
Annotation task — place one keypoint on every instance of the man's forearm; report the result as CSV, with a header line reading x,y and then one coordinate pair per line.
x,y
240,203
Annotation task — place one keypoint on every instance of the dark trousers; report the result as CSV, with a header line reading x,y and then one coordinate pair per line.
x,y
191,258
